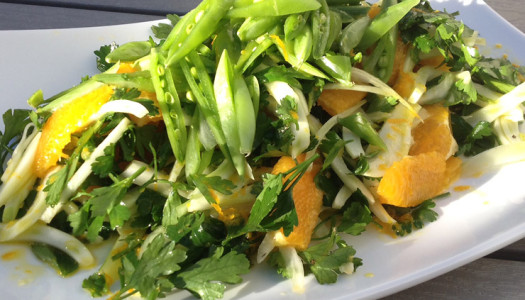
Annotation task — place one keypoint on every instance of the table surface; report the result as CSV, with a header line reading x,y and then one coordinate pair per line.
x,y
500,275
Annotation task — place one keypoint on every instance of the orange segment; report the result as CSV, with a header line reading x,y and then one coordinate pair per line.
x,y
399,61
126,68
405,84
72,117
434,133
337,101
413,180
375,9
307,199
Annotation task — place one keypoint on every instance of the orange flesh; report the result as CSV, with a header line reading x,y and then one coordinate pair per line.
x,y
425,172
404,85
337,101
71,118
307,199
434,133
413,179
375,9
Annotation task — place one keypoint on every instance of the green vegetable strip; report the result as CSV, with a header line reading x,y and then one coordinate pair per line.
x,y
193,147
245,114
381,62
140,80
384,21
205,99
359,124
320,29
294,24
252,28
205,24
183,27
223,88
169,104
241,9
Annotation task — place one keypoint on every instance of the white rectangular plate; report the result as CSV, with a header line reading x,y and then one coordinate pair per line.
x,y
471,224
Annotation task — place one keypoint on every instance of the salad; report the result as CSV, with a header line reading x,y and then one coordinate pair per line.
x,y
249,132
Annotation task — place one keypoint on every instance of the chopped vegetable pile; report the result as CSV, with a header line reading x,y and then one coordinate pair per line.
x,y
255,131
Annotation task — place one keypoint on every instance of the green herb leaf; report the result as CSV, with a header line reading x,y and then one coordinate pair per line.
x,y
208,276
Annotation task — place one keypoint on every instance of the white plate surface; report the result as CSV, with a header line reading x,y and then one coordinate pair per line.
x,y
471,224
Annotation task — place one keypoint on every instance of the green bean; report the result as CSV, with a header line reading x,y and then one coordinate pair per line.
x,y
252,28
265,8
384,21
169,104
205,23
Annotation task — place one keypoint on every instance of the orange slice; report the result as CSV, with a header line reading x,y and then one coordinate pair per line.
x,y
308,201
413,180
71,118
337,101
434,133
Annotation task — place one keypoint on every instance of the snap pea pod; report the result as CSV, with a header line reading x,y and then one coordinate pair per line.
x,y
129,52
245,113
336,24
264,8
205,99
384,21
252,51
344,2
169,105
320,29
180,30
140,80
294,24
337,66
358,124
381,61
193,146
302,44
224,99
205,23
352,34
252,28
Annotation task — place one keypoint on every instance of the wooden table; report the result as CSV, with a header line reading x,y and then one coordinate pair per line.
x,y
500,275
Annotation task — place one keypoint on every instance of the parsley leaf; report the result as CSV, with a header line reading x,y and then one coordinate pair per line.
x,y
355,218
149,274
413,217
324,261
104,164
206,279
15,120
102,64
96,285
472,140
57,259
55,185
